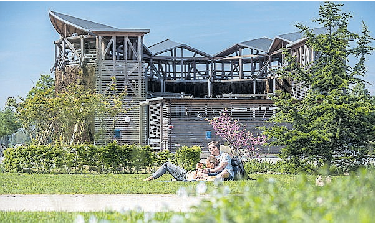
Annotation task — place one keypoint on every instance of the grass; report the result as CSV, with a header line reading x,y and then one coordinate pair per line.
x,y
92,217
265,198
16,183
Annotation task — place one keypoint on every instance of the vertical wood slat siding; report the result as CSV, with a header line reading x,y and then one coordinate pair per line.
x,y
129,76
183,121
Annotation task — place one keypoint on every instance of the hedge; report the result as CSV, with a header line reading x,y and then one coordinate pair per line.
x,y
112,158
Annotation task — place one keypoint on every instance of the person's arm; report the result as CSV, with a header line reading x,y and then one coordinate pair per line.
x,y
223,163
219,168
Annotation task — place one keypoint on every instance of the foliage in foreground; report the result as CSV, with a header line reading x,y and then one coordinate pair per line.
x,y
291,166
342,200
347,199
81,217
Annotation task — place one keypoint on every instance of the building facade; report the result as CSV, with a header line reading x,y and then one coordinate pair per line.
x,y
172,87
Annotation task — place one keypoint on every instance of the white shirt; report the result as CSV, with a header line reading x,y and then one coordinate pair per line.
x,y
225,157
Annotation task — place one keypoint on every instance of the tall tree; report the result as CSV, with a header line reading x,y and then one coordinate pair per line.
x,y
66,116
335,120
36,112
9,123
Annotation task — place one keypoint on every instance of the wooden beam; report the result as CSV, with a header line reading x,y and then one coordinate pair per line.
x,y
82,49
126,56
240,65
140,68
182,63
100,60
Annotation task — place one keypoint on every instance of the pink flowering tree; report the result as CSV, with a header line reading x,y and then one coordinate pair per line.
x,y
242,141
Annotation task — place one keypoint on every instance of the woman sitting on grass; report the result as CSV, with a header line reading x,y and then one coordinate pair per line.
x,y
222,171
198,174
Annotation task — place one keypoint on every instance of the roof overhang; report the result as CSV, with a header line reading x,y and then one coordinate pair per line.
x,y
67,25
168,45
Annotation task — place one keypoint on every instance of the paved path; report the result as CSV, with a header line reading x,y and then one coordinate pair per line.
x,y
99,202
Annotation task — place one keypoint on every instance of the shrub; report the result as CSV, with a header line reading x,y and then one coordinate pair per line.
x,y
281,166
187,157
141,158
78,159
112,158
164,156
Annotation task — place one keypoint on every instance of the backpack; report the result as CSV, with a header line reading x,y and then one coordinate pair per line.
x,y
238,169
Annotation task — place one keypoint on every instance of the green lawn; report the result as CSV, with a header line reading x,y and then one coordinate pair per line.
x,y
14,183
265,198
97,217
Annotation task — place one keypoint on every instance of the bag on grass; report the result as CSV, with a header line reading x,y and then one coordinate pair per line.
x,y
238,169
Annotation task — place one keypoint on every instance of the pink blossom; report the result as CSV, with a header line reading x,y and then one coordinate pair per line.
x,y
236,134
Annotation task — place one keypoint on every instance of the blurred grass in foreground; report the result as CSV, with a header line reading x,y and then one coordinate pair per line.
x,y
268,199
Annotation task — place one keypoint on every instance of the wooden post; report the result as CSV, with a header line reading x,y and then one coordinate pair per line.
x,y
151,68
56,51
174,62
182,63
210,80
207,70
82,49
268,70
213,75
99,62
194,69
231,69
167,73
126,58
139,49
161,125
141,123
222,70
240,64
209,84
188,74
63,50
254,86
114,51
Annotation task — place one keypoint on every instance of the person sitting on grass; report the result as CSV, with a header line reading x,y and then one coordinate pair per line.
x,y
223,171
198,174
181,174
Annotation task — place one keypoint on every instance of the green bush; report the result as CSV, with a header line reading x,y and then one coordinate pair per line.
x,y
281,166
258,166
112,158
187,157
164,156
141,158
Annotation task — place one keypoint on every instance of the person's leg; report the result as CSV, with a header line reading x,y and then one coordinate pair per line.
x,y
177,172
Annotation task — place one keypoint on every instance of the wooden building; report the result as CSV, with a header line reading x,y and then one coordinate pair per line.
x,y
175,87
111,52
